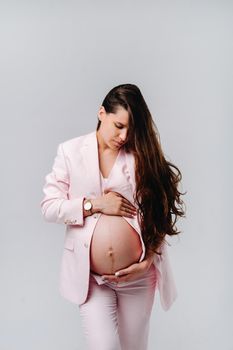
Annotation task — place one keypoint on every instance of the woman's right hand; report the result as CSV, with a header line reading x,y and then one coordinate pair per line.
x,y
113,203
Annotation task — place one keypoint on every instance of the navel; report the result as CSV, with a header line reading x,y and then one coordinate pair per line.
x,y
110,254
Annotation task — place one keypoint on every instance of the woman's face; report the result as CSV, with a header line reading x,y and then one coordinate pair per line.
x,y
113,128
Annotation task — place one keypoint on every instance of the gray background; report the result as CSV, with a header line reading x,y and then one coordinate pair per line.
x,y
58,60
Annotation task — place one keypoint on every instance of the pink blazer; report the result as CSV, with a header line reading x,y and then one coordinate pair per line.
x,y
74,176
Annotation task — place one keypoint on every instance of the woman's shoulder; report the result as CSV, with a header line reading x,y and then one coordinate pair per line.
x,y
76,142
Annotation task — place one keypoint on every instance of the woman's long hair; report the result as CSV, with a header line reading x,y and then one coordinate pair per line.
x,y
156,192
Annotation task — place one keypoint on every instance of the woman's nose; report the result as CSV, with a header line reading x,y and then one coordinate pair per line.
x,y
123,136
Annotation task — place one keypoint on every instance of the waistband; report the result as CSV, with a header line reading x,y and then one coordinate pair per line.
x,y
151,272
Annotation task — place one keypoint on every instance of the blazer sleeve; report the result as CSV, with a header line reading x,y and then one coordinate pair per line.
x,y
56,206
166,282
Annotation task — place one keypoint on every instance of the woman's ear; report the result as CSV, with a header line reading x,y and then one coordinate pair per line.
x,y
101,113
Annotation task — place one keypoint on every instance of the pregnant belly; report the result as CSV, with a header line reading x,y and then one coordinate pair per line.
x,y
115,245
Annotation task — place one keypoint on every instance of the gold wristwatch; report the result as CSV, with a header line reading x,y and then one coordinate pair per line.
x,y
88,206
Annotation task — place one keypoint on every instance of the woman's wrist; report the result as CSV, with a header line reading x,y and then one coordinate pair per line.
x,y
96,205
149,258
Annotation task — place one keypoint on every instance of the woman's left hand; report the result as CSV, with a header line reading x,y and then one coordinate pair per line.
x,y
130,273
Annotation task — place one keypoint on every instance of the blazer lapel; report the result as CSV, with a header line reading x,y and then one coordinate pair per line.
x,y
131,167
89,152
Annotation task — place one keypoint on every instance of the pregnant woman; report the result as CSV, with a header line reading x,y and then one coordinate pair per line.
x,y
116,193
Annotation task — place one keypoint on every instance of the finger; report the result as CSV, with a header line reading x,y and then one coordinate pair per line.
x,y
109,278
124,278
127,213
127,278
128,270
128,204
123,272
117,194
129,208
121,279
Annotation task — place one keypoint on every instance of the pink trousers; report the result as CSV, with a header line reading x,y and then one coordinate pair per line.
x,y
116,316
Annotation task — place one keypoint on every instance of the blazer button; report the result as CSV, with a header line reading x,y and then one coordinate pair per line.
x,y
86,245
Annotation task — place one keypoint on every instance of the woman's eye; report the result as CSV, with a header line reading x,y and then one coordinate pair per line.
x,y
119,127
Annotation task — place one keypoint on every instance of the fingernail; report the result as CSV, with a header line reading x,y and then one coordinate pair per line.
x,y
117,273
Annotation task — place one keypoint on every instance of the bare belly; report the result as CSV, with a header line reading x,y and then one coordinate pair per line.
x,y
115,245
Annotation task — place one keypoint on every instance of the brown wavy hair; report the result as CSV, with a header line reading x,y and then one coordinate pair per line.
x,y
156,193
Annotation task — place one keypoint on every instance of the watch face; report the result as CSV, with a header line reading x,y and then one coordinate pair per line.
x,y
87,205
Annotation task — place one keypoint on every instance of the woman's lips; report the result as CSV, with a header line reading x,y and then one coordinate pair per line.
x,y
119,144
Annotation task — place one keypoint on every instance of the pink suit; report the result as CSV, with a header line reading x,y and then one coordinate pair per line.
x,y
74,176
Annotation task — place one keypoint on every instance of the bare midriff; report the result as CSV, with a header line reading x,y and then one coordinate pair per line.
x,y
115,245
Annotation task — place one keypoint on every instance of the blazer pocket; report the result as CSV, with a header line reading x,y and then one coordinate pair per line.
x,y
69,243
